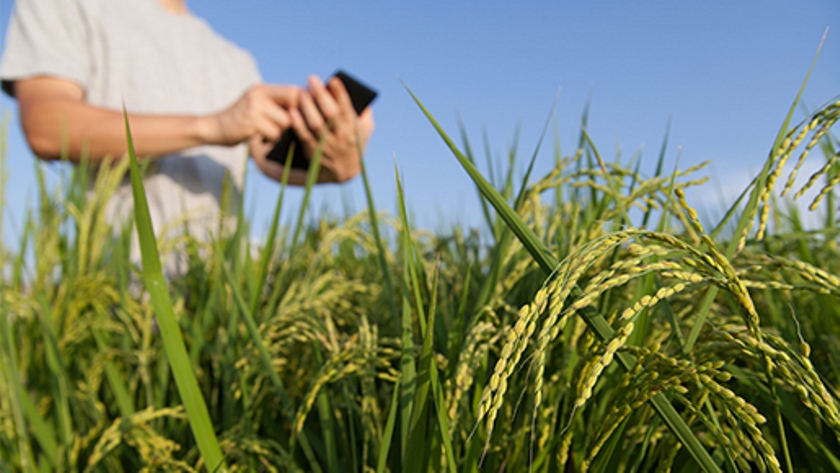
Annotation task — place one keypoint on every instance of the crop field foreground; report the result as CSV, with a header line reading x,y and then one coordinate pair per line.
x,y
594,325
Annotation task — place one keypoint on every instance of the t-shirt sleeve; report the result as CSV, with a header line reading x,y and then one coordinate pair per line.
x,y
45,37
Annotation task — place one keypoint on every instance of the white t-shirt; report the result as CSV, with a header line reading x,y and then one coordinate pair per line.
x,y
155,62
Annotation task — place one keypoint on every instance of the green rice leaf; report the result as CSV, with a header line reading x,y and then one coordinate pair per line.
x,y
419,443
388,433
173,342
408,368
268,245
377,238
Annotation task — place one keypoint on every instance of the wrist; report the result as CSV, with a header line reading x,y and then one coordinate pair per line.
x,y
204,130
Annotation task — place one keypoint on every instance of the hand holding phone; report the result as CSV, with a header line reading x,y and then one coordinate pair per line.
x,y
360,95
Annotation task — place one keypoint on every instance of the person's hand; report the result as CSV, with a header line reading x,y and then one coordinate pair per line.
x,y
262,111
326,118
259,148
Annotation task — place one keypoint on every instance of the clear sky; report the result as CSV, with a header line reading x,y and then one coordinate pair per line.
x,y
723,72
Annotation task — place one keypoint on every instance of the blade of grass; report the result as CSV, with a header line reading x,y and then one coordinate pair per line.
x,y
614,187
660,163
496,226
651,282
457,334
610,458
377,238
173,342
388,433
443,420
58,371
507,190
311,178
504,240
268,245
326,418
488,217
434,378
419,443
408,369
41,430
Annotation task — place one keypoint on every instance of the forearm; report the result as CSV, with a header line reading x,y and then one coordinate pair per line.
x,y
66,128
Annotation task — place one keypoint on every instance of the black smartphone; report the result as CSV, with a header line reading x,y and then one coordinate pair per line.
x,y
361,96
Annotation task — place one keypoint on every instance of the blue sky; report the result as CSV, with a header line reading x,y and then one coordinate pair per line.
x,y
723,73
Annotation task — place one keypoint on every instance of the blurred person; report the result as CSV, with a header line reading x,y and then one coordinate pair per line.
x,y
196,104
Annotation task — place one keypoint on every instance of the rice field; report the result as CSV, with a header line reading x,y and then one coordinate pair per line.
x,y
595,324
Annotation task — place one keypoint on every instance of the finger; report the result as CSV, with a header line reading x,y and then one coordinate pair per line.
x,y
341,96
327,104
278,115
312,114
258,148
285,95
268,128
302,130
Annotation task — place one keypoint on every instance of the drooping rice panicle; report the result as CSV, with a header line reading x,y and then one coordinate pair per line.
x,y
812,124
784,153
826,119
829,185
474,350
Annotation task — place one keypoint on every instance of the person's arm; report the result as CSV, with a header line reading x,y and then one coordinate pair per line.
x,y
57,120
324,111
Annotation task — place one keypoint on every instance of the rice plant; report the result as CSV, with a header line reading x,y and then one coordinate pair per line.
x,y
596,324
